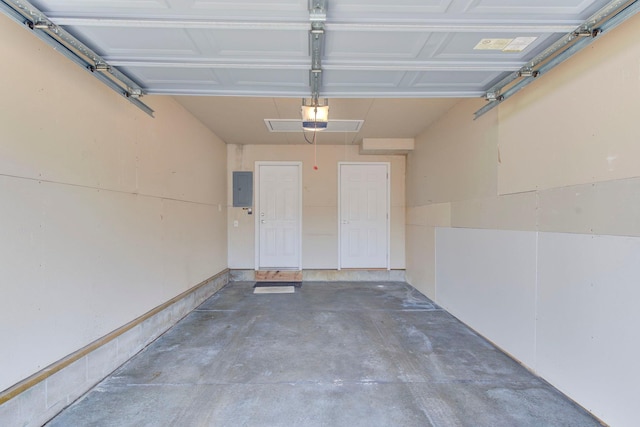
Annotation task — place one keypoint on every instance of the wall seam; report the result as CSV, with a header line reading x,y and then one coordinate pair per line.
x,y
88,187
535,304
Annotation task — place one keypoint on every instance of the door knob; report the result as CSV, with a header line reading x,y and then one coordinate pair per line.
x,y
262,221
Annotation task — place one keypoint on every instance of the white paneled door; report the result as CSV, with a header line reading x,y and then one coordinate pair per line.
x,y
364,215
278,217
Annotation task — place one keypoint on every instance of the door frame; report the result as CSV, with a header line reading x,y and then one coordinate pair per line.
x,y
388,165
257,210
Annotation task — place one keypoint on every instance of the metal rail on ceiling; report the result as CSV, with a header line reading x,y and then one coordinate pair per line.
x,y
607,18
31,18
317,16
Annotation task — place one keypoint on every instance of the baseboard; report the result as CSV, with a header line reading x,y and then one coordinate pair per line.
x,y
37,399
238,275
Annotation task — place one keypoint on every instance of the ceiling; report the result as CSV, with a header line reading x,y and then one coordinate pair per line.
x,y
396,64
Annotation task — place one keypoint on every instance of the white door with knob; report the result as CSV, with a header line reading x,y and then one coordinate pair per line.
x,y
278,215
364,215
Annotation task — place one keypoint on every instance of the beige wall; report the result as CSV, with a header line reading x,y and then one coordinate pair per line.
x,y
320,202
562,156
580,123
106,212
454,161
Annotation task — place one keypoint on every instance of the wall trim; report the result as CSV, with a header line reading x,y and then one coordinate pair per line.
x,y
66,361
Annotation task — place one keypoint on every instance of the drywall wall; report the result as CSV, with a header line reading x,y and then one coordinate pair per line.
x,y
319,200
587,325
562,303
520,166
486,276
421,223
454,161
560,156
586,111
106,212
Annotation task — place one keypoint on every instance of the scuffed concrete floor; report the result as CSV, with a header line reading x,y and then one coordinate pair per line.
x,y
332,354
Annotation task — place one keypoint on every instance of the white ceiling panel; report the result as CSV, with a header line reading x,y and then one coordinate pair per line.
x,y
334,80
241,9
268,78
359,8
460,80
137,42
460,46
261,43
98,8
193,77
375,45
370,49
51,6
563,8
237,9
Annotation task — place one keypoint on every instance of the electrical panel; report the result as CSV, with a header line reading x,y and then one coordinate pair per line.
x,y
242,189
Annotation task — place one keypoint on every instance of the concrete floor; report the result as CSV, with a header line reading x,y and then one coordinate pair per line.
x,y
331,354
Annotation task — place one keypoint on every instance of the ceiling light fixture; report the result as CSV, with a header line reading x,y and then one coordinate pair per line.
x,y
315,115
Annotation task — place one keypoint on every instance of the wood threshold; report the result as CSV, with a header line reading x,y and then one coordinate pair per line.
x,y
278,276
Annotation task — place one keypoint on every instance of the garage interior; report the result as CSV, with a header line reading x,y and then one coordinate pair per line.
x,y
513,199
